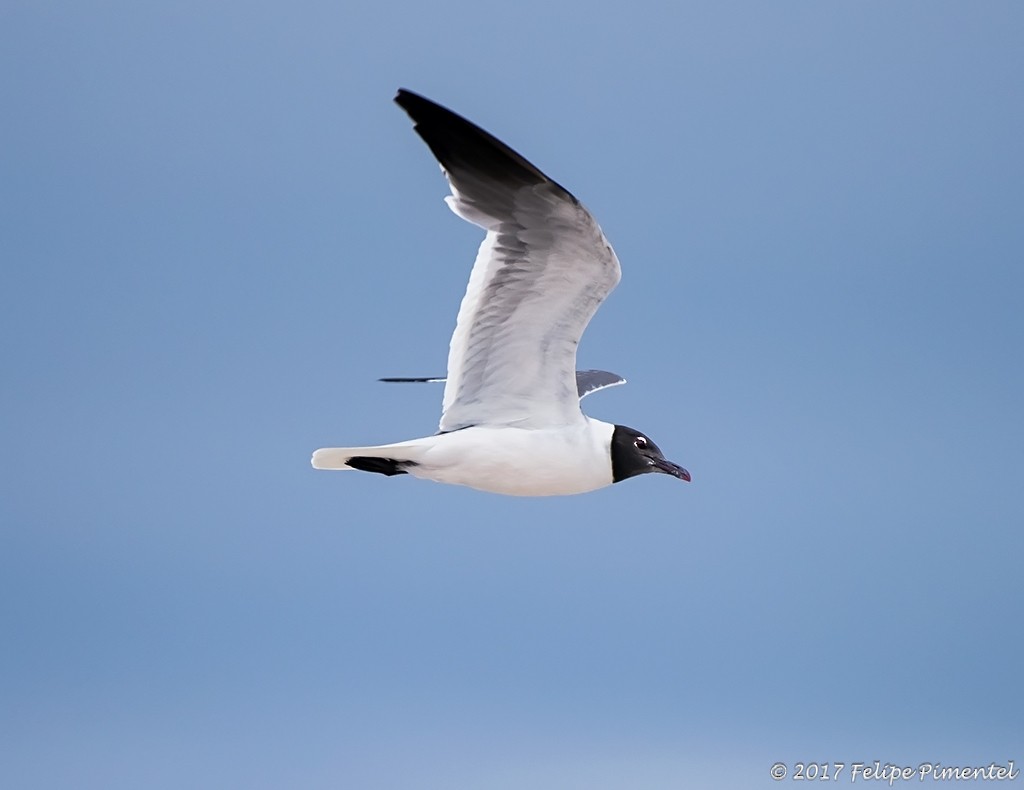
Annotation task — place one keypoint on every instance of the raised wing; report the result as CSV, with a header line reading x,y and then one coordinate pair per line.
x,y
541,272
587,381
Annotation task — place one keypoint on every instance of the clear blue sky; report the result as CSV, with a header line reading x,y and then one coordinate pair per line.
x,y
217,231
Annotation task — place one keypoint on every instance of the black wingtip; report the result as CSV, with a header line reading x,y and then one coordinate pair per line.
x,y
459,144
406,96
412,379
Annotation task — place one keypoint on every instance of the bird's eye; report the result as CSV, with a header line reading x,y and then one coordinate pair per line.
x,y
640,442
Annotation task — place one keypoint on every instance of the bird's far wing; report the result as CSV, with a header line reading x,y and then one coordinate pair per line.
x,y
414,380
587,381
541,272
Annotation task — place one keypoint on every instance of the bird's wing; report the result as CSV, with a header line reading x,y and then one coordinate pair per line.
x,y
543,269
587,381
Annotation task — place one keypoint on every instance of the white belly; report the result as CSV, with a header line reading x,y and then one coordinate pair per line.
x,y
518,462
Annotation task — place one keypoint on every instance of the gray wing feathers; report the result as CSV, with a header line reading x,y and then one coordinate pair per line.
x,y
537,281
588,381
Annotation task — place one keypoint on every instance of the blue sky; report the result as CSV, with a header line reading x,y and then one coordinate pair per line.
x,y
217,231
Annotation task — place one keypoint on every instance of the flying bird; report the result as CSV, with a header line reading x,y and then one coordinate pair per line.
x,y
511,421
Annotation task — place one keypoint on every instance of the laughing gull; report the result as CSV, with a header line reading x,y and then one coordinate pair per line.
x,y
511,421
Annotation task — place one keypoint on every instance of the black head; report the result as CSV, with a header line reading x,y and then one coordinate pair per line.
x,y
634,454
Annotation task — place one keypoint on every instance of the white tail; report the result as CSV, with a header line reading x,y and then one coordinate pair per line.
x,y
338,457
335,457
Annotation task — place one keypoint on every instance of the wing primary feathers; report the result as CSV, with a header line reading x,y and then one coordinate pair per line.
x,y
462,147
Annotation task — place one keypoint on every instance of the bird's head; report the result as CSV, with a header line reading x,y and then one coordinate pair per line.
x,y
634,454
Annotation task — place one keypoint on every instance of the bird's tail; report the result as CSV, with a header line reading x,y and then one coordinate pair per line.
x,y
385,459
